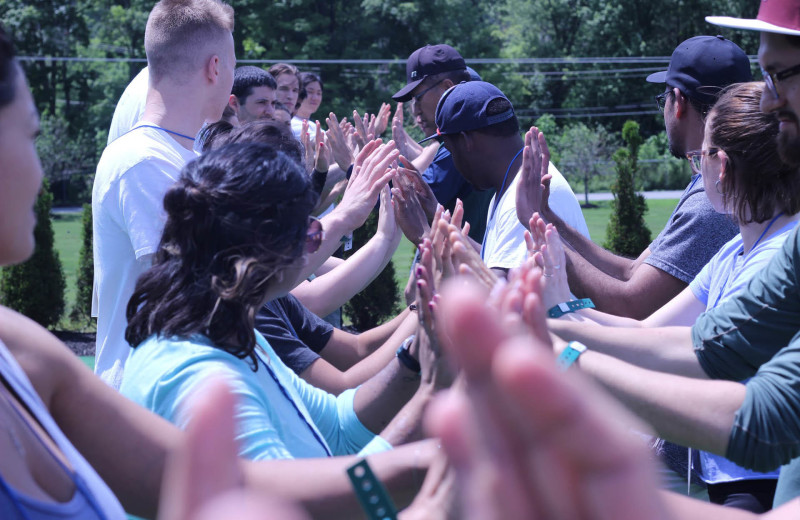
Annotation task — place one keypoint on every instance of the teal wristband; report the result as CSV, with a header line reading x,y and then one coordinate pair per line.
x,y
371,494
570,355
570,306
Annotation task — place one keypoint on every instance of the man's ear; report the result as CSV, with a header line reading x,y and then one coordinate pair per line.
x,y
233,102
681,103
446,84
212,68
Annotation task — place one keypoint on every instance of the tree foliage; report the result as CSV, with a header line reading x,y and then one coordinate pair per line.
x,y
35,288
627,234
82,310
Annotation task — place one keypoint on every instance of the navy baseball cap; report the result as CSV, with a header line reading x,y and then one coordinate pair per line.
x,y
702,66
427,61
462,108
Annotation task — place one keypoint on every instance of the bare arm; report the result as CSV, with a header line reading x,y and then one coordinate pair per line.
x,y
661,400
682,310
328,292
647,289
344,350
335,378
667,349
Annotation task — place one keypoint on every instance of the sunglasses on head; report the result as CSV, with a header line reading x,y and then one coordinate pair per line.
x,y
314,235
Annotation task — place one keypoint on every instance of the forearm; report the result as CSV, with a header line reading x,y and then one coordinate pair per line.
x,y
425,158
321,486
615,266
393,331
689,412
682,507
336,226
328,292
666,349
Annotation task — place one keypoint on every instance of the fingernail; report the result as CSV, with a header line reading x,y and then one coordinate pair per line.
x,y
419,271
419,283
431,305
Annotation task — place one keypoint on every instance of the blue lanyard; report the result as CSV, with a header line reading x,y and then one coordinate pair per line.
x,y
744,260
296,408
165,130
497,201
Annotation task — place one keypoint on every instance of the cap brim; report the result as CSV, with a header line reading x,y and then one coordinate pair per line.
x,y
658,77
438,137
404,94
750,24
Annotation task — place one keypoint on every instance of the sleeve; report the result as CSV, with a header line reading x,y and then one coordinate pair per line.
x,y
257,436
507,245
735,338
293,352
701,285
312,330
695,232
443,178
141,198
766,429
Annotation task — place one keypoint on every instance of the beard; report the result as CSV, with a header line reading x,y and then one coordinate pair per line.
x,y
789,148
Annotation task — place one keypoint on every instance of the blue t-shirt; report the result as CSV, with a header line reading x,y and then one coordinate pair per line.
x,y
278,415
727,273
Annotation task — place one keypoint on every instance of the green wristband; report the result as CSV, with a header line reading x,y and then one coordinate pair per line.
x,y
570,306
371,494
570,355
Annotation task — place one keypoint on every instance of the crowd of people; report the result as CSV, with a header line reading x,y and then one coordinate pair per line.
x,y
530,374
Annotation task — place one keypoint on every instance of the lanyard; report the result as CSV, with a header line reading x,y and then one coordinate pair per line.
x,y
744,259
167,131
498,196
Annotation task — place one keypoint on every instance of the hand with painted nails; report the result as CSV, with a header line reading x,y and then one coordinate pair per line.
x,y
529,442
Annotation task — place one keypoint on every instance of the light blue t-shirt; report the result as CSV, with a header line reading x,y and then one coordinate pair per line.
x,y
278,415
727,273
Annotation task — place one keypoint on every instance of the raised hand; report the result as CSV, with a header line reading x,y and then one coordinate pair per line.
x,y
467,260
322,155
435,370
370,174
411,178
309,148
533,190
380,122
387,223
336,140
527,441
409,213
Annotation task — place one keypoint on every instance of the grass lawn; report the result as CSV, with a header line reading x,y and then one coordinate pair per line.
x,y
67,229
67,232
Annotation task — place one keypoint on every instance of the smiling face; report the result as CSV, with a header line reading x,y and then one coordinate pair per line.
x,y
312,101
775,54
288,90
20,174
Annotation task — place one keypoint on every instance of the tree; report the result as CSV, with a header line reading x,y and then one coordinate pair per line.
x,y
584,151
35,288
627,232
378,301
82,310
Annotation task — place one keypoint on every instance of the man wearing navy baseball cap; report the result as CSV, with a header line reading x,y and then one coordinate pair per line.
x,y
478,125
699,68
430,71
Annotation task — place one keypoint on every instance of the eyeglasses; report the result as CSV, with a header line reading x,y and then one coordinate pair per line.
x,y
314,235
696,157
772,79
661,100
416,99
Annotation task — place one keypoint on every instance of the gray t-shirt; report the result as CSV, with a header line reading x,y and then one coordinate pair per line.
x,y
693,234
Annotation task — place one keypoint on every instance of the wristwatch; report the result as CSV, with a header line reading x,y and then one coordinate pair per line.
x,y
405,357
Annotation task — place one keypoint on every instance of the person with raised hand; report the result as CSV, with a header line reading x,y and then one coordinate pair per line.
x,y
699,68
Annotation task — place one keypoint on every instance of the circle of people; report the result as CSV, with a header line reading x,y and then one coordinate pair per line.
x,y
531,373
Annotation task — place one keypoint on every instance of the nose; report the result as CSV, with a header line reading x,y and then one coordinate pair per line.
x,y
769,101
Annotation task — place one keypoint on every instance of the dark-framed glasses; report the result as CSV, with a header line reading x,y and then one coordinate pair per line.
x,y
661,100
771,79
695,157
416,99
314,235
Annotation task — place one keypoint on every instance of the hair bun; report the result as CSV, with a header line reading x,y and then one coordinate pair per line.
x,y
184,200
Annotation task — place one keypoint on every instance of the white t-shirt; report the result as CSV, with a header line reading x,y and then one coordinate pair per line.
x,y
133,174
297,127
504,243
130,106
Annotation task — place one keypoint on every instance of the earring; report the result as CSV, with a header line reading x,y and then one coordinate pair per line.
x,y
716,187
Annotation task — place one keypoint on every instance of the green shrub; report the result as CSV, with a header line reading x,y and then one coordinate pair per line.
x,y
627,232
82,310
35,288
379,300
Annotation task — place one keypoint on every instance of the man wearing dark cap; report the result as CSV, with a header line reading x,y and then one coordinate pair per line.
x,y
478,125
430,71
699,68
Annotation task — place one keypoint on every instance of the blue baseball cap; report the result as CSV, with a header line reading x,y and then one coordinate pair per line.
x,y
428,61
462,108
702,66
